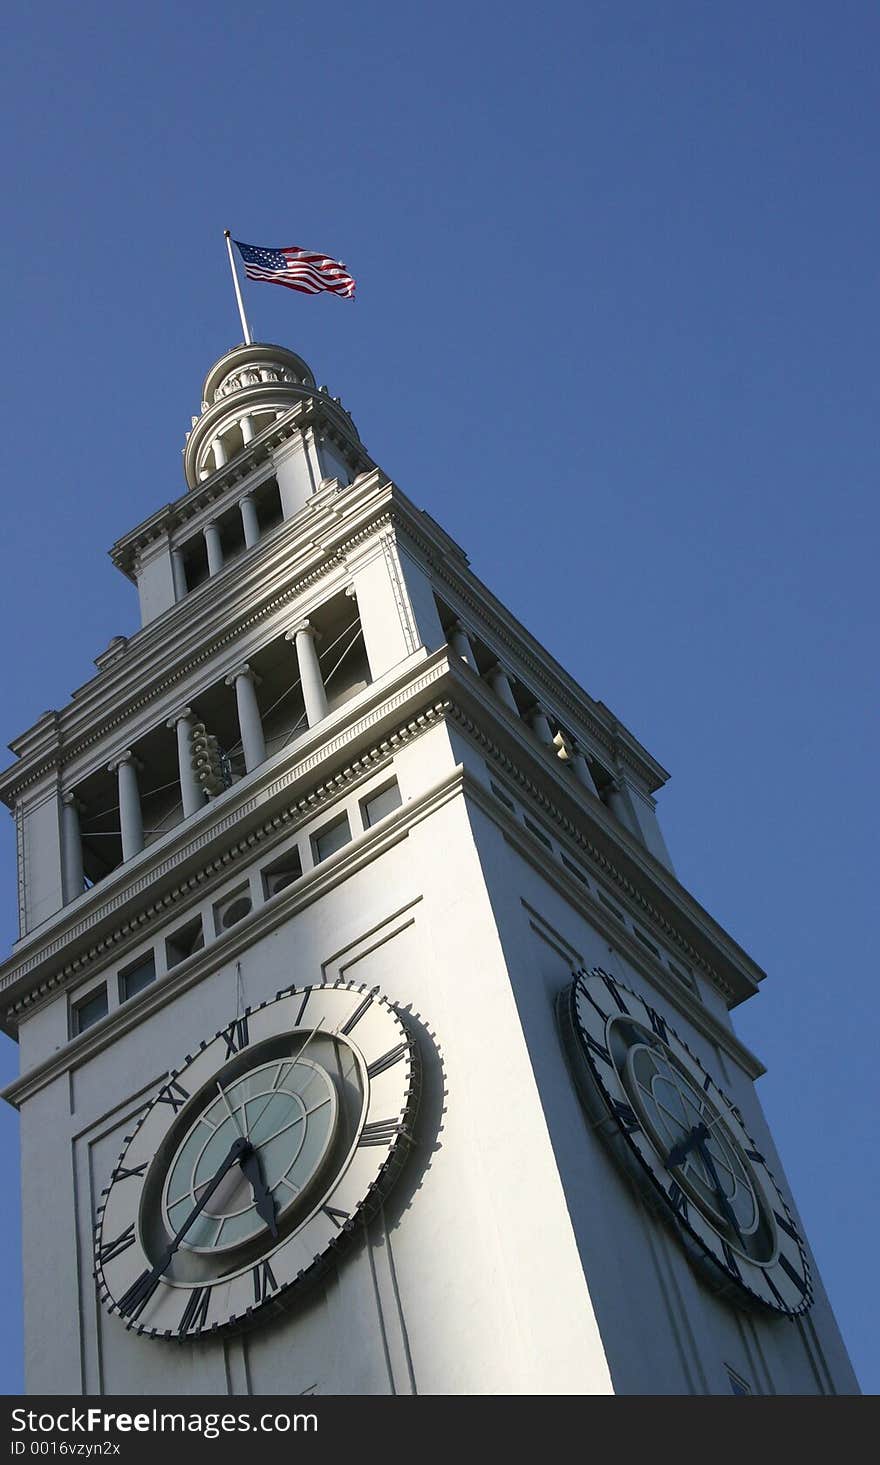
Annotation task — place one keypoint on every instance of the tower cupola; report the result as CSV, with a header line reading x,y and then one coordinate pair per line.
x,y
244,392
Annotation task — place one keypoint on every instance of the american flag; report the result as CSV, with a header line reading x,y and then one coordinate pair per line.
x,y
298,269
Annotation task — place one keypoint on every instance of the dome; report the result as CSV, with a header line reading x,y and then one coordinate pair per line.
x,y
243,393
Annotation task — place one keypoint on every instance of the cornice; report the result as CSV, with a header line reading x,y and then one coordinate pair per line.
x,y
193,860
602,841
607,731
542,668
310,404
225,948
619,937
256,813
315,408
255,588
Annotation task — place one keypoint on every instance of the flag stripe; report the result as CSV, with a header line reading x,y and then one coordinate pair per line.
x,y
297,269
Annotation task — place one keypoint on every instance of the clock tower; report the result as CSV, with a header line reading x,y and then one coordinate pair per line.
x,y
369,1043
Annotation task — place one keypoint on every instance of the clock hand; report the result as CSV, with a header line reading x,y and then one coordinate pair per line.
x,y
726,1208
682,1149
288,1064
253,1172
146,1284
230,1111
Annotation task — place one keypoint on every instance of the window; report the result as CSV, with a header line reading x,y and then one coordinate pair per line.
x,y
576,871
189,939
644,940
538,833
609,904
136,977
500,794
330,839
234,908
281,873
90,1010
195,561
685,976
377,805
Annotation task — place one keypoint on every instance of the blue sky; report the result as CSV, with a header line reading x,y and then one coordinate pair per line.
x,y
616,328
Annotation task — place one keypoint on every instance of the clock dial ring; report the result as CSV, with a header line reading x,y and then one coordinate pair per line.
x,y
272,1124
376,1080
602,1022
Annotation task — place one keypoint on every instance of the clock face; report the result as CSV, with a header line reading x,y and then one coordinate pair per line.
x,y
684,1143
255,1161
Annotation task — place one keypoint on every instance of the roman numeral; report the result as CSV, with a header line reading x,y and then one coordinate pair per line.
x,y
585,992
138,1295
174,1094
658,1024
678,1199
776,1292
614,990
301,1014
236,1036
380,1132
707,1083
110,1249
121,1173
625,1115
787,1226
195,1314
338,1217
800,1282
264,1282
358,1013
598,1048
756,1156
738,1114
387,1060
730,1260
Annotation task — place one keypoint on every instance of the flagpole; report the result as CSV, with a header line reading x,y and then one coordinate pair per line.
x,y
244,325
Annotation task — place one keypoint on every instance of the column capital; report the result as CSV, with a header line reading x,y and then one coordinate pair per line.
x,y
351,591
71,801
246,671
302,628
127,756
177,717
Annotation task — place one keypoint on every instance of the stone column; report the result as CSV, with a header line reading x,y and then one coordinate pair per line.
x,y
618,804
220,457
214,548
460,643
540,726
249,521
304,637
582,770
570,753
72,880
247,429
191,792
250,723
130,819
178,574
500,683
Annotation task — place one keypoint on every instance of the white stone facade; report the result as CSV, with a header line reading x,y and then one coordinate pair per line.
x,y
511,1256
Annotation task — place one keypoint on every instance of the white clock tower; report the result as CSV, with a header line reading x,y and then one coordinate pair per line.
x,y
369,1044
